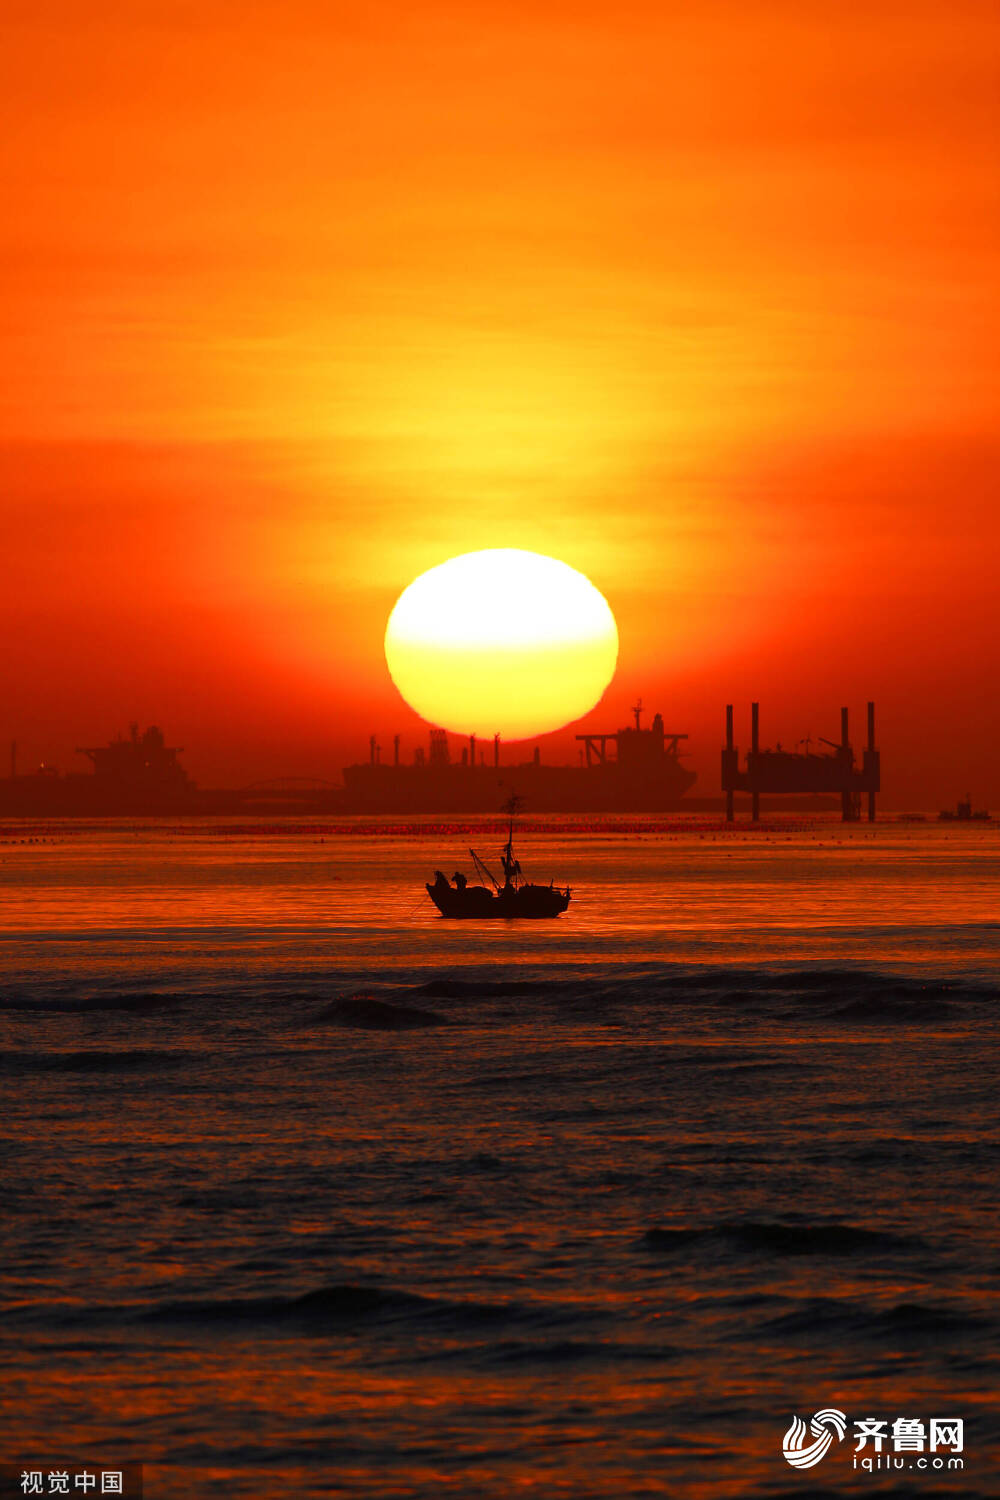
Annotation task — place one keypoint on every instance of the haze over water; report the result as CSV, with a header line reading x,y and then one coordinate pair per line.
x,y
310,1192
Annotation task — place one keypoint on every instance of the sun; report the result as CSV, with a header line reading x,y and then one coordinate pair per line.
x,y
501,642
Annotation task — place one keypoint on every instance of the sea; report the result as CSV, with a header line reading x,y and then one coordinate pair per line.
x,y
307,1191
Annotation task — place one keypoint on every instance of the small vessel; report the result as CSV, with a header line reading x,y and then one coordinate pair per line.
x,y
514,898
963,813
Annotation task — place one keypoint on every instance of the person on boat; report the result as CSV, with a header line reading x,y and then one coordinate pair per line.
x,y
459,880
440,879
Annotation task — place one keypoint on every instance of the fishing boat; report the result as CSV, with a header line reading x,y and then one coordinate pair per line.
x,y
512,898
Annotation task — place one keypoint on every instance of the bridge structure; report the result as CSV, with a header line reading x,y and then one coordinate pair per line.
x,y
791,771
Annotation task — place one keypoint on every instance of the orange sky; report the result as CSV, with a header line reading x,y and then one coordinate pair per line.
x,y
302,299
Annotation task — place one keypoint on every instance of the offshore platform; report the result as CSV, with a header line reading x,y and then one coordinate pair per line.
x,y
792,771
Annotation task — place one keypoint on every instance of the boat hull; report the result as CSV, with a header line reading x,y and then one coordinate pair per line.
x,y
476,903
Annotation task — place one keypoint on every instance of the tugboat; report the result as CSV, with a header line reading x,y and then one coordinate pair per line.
x,y
963,813
513,899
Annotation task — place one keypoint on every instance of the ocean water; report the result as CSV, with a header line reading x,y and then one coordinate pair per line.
x,y
308,1192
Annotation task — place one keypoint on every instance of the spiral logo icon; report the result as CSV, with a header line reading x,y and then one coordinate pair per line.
x,y
822,1426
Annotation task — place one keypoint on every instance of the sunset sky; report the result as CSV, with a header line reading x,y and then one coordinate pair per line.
x,y
303,299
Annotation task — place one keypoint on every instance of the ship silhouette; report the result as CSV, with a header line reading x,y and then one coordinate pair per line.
x,y
139,775
964,812
511,899
630,770
133,775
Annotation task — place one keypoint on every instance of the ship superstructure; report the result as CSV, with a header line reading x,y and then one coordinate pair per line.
x,y
137,774
141,763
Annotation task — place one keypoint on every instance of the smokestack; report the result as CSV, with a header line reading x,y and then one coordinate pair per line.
x,y
846,796
496,750
755,747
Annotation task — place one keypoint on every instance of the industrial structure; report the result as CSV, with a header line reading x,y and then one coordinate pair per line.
x,y
631,770
791,771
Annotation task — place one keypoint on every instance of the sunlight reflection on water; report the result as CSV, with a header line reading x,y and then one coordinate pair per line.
x,y
898,894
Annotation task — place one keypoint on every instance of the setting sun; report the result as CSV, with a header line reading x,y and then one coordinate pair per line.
x,y
501,642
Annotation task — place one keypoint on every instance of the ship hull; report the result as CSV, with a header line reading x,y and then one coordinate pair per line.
x,y
477,904
480,789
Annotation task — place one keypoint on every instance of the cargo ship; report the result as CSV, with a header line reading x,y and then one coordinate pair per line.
x,y
134,775
631,770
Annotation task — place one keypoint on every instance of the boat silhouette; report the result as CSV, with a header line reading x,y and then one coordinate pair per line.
x,y
514,898
964,813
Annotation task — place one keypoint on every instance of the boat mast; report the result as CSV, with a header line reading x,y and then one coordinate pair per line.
x,y
511,868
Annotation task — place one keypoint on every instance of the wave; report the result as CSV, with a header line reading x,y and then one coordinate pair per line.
x,y
91,1060
326,1309
889,1006
826,981
780,1239
839,995
463,989
133,1004
369,1014
894,1326
337,1303
575,1351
